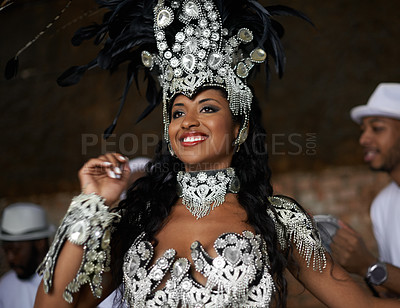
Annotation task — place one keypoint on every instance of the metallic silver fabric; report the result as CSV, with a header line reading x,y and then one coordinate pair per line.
x,y
238,277
88,223
299,228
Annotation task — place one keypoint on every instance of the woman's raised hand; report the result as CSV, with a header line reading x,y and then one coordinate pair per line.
x,y
106,176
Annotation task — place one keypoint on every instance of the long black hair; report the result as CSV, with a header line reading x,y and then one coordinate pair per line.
x,y
150,199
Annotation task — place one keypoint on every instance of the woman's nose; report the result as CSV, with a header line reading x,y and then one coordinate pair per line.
x,y
190,120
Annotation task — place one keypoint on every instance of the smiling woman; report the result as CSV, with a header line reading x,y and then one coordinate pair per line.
x,y
202,130
202,228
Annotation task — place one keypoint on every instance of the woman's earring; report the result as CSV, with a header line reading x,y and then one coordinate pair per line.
x,y
241,138
171,151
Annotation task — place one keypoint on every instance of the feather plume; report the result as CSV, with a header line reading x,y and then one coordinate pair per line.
x,y
74,74
127,29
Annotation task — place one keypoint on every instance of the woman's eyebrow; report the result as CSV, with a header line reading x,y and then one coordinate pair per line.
x,y
204,100
177,104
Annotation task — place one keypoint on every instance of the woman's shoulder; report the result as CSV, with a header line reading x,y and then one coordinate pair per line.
x,y
287,208
293,224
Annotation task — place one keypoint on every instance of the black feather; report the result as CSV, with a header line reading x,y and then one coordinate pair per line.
x,y
152,95
11,68
71,76
74,74
109,130
85,33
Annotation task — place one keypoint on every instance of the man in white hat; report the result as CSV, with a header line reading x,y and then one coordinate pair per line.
x,y
380,138
24,232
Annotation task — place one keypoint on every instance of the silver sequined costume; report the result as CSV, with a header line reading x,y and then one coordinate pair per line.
x,y
238,277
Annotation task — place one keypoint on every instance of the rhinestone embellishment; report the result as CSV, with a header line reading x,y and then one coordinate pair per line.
x,y
202,191
165,17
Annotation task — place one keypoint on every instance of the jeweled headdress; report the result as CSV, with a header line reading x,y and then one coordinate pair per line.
x,y
187,45
201,54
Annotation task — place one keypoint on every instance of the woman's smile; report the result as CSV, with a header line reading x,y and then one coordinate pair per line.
x,y
192,138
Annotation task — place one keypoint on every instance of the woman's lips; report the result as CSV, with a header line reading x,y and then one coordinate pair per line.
x,y
188,140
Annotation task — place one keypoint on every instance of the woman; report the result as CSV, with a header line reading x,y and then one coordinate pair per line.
x,y
202,228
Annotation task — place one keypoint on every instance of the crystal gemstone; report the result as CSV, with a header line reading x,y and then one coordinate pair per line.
x,y
78,232
189,62
164,18
242,70
245,35
191,9
258,55
215,60
232,255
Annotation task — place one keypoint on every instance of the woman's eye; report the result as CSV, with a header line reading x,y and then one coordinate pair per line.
x,y
176,114
209,109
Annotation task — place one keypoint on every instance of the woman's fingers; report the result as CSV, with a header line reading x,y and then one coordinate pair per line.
x,y
110,164
116,161
106,175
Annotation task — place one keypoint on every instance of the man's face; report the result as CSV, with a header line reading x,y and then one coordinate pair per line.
x,y
22,257
380,139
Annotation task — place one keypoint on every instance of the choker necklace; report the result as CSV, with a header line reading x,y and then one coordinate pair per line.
x,y
202,191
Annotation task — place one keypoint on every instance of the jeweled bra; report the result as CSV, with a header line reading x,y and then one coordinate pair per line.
x,y
238,277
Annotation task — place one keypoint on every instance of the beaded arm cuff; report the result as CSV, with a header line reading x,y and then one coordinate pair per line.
x,y
298,228
88,222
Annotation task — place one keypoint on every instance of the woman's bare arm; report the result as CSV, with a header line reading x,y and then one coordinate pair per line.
x,y
105,176
335,288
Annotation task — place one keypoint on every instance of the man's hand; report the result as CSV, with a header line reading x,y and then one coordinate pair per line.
x,y
350,251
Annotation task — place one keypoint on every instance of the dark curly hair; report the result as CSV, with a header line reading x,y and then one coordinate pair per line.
x,y
150,199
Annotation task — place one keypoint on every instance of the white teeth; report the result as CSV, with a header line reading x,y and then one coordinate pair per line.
x,y
194,138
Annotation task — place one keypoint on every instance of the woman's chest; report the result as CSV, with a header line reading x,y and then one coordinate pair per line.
x,y
238,273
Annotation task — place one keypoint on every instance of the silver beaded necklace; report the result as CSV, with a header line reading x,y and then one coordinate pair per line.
x,y
203,191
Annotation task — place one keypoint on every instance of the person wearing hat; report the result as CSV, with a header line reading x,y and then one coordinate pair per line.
x,y
25,233
380,138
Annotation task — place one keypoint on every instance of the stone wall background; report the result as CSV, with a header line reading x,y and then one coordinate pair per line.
x,y
48,132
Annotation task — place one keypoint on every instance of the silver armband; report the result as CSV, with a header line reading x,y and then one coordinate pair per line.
x,y
299,229
88,222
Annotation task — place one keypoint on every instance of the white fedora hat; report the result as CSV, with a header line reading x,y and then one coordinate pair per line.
x,y
24,222
384,102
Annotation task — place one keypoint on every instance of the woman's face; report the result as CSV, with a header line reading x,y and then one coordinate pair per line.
x,y
202,130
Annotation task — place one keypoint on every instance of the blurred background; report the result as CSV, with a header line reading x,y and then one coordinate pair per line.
x,y
48,132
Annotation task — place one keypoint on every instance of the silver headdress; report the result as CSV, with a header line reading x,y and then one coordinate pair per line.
x,y
202,54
